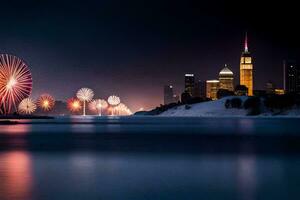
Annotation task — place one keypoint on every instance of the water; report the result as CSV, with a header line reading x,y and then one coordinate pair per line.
x,y
150,158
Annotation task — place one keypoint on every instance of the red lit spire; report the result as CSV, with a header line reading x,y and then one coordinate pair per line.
x,y
246,43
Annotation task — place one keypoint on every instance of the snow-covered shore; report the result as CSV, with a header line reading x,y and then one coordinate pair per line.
x,y
217,109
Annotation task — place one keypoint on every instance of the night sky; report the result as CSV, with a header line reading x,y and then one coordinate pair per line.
x,y
133,48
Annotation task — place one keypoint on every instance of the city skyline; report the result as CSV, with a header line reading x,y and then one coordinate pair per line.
x,y
103,48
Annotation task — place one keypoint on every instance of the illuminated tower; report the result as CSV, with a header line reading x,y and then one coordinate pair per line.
x,y
226,79
212,87
246,69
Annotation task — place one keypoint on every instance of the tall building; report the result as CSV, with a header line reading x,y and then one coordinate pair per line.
x,y
212,87
226,79
200,89
168,94
189,83
291,77
246,69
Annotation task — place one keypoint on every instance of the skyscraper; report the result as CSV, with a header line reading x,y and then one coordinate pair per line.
x,y
246,69
189,83
200,89
212,87
226,79
168,94
291,77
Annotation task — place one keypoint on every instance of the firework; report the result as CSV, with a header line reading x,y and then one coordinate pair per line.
x,y
27,106
85,95
97,105
113,101
122,109
74,104
15,82
46,102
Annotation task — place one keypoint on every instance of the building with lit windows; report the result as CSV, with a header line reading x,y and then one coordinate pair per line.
x,y
200,89
168,94
279,91
189,83
246,69
291,77
212,87
226,79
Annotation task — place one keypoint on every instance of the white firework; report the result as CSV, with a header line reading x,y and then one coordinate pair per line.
x,y
97,105
113,101
122,109
27,106
85,95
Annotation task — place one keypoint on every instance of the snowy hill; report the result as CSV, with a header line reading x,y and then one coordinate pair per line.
x,y
207,109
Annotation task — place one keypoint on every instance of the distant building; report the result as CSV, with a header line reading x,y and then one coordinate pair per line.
x,y
279,91
226,79
189,83
168,94
270,88
246,69
176,98
212,87
291,77
200,89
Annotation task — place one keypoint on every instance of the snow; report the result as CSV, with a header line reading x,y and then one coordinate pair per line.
x,y
217,109
207,109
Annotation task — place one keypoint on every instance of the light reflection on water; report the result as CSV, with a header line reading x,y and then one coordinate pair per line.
x,y
92,124
16,129
94,175
15,175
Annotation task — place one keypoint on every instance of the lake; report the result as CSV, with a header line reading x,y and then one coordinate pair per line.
x,y
150,158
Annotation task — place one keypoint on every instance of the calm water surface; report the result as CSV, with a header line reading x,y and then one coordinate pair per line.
x,y
150,158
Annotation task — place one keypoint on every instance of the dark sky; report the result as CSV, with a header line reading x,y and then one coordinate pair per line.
x,y
133,48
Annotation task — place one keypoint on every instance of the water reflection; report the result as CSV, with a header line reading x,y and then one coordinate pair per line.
x,y
246,176
16,129
82,124
246,126
15,176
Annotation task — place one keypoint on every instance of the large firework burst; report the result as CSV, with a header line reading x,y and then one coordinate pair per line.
x,y
46,102
27,106
74,104
97,105
15,82
85,95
